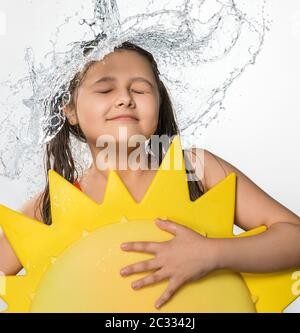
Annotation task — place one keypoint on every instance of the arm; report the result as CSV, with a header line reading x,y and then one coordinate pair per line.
x,y
189,256
9,262
275,249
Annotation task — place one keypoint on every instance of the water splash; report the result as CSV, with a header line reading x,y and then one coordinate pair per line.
x,y
201,48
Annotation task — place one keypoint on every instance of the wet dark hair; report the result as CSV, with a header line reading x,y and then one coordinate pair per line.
x,y
58,154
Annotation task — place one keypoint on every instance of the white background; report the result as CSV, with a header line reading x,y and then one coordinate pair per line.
x,y
258,133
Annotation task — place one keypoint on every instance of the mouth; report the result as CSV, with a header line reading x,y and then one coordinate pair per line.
x,y
124,118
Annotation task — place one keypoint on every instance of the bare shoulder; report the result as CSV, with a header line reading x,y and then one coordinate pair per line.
x,y
208,167
33,207
214,169
254,207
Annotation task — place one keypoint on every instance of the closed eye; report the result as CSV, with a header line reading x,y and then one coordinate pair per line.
x,y
138,92
104,92
107,91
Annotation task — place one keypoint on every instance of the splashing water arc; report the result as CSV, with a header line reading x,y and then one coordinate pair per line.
x,y
201,47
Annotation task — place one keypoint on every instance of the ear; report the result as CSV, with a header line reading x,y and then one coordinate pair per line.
x,y
71,115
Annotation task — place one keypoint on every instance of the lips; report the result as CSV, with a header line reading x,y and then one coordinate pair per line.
x,y
124,117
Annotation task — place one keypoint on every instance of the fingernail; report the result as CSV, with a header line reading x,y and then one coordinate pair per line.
x,y
158,304
124,246
124,271
135,285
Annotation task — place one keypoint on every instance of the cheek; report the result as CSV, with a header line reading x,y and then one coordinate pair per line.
x,y
149,120
91,114
90,109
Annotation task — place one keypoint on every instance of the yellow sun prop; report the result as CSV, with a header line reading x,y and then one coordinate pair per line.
x,y
73,265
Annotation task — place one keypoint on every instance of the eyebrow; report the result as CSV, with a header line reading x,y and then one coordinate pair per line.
x,y
111,78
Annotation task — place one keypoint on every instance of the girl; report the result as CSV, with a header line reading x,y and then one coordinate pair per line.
x,y
126,83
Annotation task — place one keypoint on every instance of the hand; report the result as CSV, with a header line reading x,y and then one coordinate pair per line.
x,y
186,257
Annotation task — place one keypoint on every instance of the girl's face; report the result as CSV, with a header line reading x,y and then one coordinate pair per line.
x,y
121,84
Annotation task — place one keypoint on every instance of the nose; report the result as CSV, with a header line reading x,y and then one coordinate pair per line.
x,y
125,99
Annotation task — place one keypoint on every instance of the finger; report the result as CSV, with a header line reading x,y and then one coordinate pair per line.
x,y
149,247
169,226
168,293
142,266
149,279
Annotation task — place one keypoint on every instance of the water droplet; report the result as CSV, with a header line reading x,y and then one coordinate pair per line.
x,y
254,298
85,233
53,260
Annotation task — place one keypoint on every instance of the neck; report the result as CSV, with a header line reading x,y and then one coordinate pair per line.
x,y
129,163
